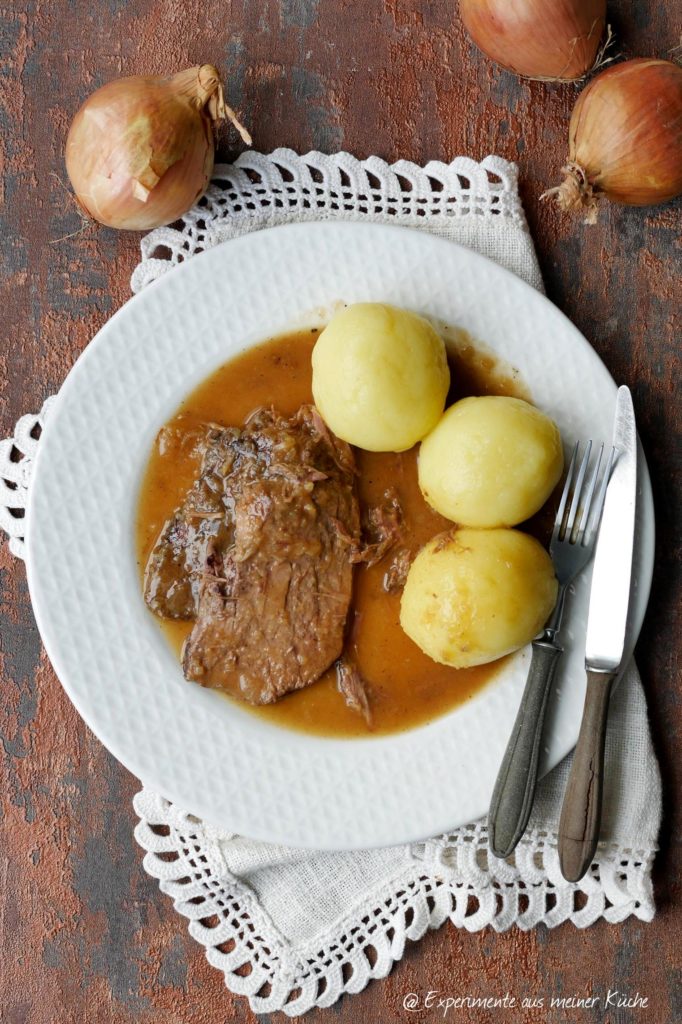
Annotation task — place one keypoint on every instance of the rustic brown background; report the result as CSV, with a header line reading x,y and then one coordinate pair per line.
x,y
86,936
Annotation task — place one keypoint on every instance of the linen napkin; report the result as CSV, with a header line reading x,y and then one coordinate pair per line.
x,y
290,928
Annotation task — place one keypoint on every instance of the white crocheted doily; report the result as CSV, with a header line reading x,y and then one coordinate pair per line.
x,y
16,465
458,200
258,910
451,877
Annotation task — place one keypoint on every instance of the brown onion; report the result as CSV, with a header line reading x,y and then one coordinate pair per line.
x,y
140,150
625,138
551,40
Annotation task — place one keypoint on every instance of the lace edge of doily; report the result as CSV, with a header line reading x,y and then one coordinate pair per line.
x,y
258,962
261,184
17,454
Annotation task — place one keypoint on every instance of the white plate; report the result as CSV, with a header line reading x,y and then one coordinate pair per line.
x,y
189,743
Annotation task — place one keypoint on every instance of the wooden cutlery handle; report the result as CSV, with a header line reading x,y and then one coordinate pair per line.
x,y
514,791
581,810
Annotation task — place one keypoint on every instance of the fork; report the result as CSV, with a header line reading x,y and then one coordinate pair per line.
x,y
571,547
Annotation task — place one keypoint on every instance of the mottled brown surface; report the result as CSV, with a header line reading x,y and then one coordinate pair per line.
x,y
85,934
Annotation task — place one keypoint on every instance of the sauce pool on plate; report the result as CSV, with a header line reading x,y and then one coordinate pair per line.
x,y
406,687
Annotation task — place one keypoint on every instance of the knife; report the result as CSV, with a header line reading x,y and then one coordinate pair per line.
x,y
606,628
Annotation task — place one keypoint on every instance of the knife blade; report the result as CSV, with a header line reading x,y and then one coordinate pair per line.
x,y
612,572
606,629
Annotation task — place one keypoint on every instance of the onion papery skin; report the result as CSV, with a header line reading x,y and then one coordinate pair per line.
x,y
549,40
140,150
625,136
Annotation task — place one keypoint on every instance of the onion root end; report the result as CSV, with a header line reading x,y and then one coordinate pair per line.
x,y
575,193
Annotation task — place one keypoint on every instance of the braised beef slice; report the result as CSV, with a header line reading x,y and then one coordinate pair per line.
x,y
178,559
275,589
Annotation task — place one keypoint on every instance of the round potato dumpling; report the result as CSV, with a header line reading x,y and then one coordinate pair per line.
x,y
380,377
490,461
472,596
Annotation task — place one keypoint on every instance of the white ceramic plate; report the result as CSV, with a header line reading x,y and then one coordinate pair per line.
x,y
189,743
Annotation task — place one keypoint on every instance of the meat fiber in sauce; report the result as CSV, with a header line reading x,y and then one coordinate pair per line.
x,y
405,687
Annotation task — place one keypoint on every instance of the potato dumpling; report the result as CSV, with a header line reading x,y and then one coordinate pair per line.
x,y
472,596
380,377
490,461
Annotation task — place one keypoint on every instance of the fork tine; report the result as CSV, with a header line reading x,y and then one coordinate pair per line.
x,y
575,504
559,520
599,504
584,518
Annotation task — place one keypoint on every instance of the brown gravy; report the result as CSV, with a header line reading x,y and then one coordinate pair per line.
x,y
407,688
